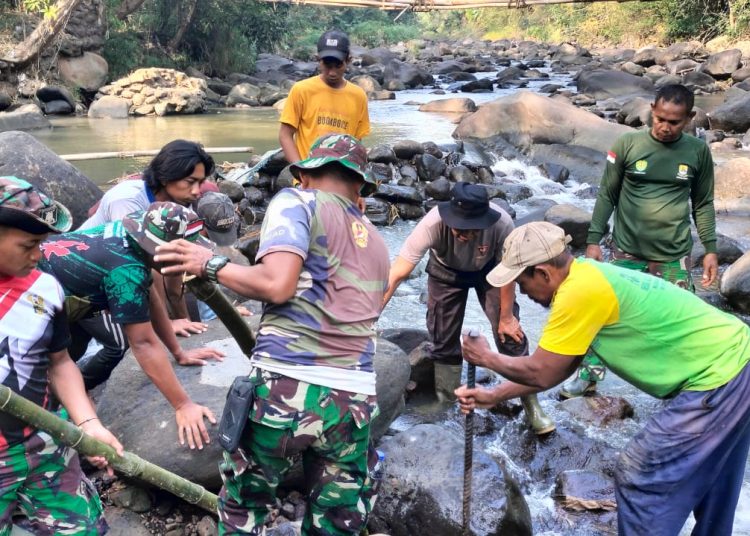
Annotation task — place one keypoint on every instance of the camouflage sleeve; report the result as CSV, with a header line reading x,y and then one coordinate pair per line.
x,y
286,226
127,288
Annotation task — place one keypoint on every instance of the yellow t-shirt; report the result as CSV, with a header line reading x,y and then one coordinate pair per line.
x,y
314,108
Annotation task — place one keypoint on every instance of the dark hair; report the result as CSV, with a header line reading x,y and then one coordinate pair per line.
x,y
557,262
677,94
333,169
175,161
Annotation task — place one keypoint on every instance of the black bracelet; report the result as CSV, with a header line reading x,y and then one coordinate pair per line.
x,y
87,420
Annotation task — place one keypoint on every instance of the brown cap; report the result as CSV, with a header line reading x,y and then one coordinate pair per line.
x,y
528,245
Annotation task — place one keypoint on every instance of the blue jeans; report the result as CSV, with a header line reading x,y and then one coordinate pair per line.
x,y
690,457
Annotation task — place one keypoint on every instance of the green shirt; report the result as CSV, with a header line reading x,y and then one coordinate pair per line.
x,y
651,186
654,335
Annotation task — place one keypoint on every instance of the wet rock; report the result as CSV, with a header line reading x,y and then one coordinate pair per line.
x,y
680,67
382,154
574,220
232,189
429,168
732,116
366,82
407,211
155,438
207,526
508,74
632,68
457,105
555,172
5,101
58,107
439,189
696,80
484,85
635,112
109,107
399,75
53,93
722,64
89,71
219,86
245,93
549,88
646,56
605,84
741,74
598,410
26,117
399,194
580,485
133,498
422,368
24,156
249,243
503,204
422,494
515,192
525,119
378,211
728,250
735,284
407,149
408,172
461,173
485,175
405,338
381,172
123,521
254,196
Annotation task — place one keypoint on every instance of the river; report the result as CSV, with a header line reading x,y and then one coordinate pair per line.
x,y
391,121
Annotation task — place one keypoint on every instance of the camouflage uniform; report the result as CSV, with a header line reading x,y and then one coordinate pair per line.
x,y
676,272
314,361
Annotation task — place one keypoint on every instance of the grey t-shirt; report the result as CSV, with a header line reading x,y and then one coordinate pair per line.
x,y
122,199
431,233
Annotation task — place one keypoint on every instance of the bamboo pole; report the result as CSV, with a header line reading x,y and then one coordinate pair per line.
x,y
145,152
428,5
128,464
210,293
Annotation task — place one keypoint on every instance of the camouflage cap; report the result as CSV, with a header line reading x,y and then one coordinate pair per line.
x,y
163,222
342,149
25,207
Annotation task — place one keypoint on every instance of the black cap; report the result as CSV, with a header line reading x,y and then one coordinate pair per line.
x,y
333,44
469,208
219,217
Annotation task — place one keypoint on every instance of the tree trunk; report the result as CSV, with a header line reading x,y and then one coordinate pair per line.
x,y
30,48
186,17
127,7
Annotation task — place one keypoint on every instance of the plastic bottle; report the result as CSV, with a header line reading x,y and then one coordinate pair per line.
x,y
378,471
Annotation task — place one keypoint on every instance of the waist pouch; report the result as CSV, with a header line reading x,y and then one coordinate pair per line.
x,y
458,278
236,410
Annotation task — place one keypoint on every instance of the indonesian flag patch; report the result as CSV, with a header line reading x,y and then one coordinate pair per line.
x,y
611,157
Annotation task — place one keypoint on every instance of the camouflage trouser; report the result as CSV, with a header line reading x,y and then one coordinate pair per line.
x,y
329,430
677,272
45,480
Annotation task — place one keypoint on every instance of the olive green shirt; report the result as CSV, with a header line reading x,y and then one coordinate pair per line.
x,y
653,187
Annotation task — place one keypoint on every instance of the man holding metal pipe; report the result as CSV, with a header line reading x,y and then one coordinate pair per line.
x,y
691,455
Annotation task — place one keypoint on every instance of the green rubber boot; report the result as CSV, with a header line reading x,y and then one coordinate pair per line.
x,y
577,387
540,423
447,380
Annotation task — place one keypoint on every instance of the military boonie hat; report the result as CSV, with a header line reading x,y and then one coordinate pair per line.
x,y
163,222
333,44
27,208
342,149
219,217
528,245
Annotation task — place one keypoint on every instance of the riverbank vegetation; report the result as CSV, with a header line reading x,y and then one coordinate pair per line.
x,y
222,36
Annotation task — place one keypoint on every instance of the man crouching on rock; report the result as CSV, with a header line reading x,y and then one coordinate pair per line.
x,y
666,341
322,272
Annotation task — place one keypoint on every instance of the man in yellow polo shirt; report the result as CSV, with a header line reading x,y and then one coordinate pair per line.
x,y
324,104
691,455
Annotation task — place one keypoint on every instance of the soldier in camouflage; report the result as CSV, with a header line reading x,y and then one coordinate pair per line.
x,y
38,475
322,272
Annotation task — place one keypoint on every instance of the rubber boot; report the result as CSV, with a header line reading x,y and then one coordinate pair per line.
x,y
540,423
577,387
447,380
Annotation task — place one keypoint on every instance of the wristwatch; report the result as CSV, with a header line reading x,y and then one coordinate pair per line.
x,y
214,264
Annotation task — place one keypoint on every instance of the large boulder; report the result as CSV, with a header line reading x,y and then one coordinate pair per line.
x,y
605,84
399,75
732,186
244,93
110,107
26,117
456,105
141,418
422,489
158,91
24,156
722,64
88,71
525,119
732,116
574,220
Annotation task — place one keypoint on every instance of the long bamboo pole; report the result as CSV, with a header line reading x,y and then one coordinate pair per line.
x,y
128,464
145,152
427,5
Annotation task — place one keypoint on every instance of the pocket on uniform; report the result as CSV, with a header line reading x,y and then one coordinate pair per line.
x,y
364,412
274,424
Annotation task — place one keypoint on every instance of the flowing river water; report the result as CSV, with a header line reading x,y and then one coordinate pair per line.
x,y
391,121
